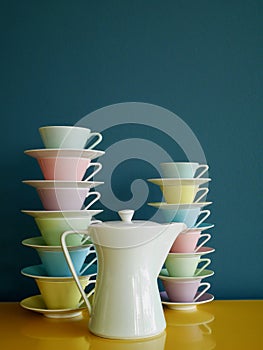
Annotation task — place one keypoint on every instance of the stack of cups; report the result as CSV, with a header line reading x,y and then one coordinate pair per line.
x,y
185,265
64,192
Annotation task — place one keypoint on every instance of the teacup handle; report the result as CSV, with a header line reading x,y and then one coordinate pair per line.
x,y
203,284
97,197
207,213
204,166
71,266
90,293
88,238
201,189
96,165
88,265
96,142
207,262
208,236
207,329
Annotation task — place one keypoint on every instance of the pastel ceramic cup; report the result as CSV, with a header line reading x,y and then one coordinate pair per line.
x,y
53,259
182,194
185,266
188,216
68,137
186,170
56,265
184,291
186,242
52,228
67,168
66,198
62,294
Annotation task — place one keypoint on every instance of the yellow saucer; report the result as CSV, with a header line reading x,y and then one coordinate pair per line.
x,y
36,303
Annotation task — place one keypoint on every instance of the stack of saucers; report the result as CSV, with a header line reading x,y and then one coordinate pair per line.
x,y
64,192
185,265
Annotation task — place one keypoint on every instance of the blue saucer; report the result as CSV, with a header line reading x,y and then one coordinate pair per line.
x,y
37,271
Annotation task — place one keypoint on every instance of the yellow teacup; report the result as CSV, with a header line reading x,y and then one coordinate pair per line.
x,y
182,194
62,293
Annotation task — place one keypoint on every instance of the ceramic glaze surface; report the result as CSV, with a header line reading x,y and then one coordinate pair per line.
x,y
131,289
127,277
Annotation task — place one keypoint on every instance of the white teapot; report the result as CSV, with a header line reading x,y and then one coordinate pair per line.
x,y
126,302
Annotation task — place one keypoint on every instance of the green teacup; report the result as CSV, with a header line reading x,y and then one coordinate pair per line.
x,y
68,137
52,228
185,266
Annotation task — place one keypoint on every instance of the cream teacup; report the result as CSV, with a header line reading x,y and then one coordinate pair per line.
x,y
186,242
66,198
68,137
62,293
186,170
67,168
182,194
185,266
184,291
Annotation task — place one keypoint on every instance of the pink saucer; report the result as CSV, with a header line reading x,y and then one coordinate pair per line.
x,y
205,298
205,250
200,251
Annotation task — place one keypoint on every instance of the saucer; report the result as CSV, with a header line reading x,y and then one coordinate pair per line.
x,y
200,251
39,243
38,271
164,205
205,298
194,317
62,152
61,184
179,182
36,303
204,274
61,213
202,227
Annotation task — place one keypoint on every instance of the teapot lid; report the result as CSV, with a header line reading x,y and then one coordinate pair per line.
x,y
126,216
130,233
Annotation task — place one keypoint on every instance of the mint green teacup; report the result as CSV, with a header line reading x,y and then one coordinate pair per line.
x,y
52,228
68,137
185,266
186,170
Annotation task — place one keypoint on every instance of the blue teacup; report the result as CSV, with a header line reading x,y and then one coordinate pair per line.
x,y
188,216
53,259
56,265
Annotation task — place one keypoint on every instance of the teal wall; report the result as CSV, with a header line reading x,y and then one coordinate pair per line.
x,y
202,60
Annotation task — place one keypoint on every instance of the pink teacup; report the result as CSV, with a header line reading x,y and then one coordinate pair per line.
x,y
186,242
66,198
66,168
184,291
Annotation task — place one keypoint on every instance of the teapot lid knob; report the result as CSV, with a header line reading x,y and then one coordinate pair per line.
x,y
126,215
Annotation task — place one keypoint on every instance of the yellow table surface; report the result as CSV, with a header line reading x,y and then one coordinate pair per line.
x,y
220,324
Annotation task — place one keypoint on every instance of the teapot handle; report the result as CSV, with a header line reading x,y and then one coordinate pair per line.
x,y
71,266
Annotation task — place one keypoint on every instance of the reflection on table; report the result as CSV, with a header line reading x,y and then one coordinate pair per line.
x,y
221,324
